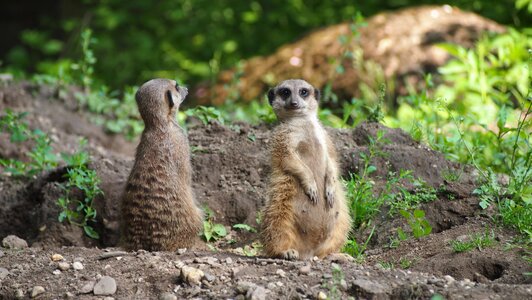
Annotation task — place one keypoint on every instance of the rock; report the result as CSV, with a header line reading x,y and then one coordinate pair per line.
x,y
57,257
244,286
3,273
449,279
1,253
63,266
14,242
280,273
209,277
340,258
69,295
369,289
108,298
228,260
19,294
258,293
167,296
321,296
181,251
191,275
87,288
343,285
105,286
37,290
56,272
78,266
304,270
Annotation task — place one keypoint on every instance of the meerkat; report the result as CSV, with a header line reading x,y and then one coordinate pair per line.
x,y
159,212
306,214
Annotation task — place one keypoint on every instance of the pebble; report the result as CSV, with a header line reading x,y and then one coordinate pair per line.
x,y
321,296
271,285
449,279
1,253
87,288
280,273
77,265
181,251
14,242
228,260
209,277
56,272
57,257
343,284
167,296
191,275
37,290
258,293
69,295
3,273
304,270
63,266
244,286
19,294
108,298
105,286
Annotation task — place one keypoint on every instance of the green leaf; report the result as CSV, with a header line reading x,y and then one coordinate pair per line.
x,y
220,230
371,169
245,227
90,232
419,214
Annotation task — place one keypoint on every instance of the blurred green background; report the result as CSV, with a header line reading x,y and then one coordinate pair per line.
x,y
191,40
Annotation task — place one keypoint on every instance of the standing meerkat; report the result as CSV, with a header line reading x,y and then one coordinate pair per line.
x,y
159,212
306,214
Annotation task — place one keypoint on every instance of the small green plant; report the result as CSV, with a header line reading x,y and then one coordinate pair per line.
x,y
387,265
405,263
206,114
334,285
253,249
479,241
40,157
245,227
407,200
79,178
418,224
85,66
212,231
355,249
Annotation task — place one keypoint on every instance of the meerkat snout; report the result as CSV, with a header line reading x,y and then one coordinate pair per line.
x,y
293,97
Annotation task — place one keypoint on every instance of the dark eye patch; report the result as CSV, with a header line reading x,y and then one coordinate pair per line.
x,y
303,93
170,98
284,93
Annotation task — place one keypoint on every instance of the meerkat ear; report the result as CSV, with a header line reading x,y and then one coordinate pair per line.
x,y
170,99
317,94
271,96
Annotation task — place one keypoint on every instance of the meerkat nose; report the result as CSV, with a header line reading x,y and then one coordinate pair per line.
x,y
294,103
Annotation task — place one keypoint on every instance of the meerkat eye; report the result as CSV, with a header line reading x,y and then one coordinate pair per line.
x,y
303,92
284,92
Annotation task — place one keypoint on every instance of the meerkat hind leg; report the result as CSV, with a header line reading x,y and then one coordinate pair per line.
x,y
290,254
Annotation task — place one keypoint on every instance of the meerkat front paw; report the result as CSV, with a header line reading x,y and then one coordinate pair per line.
x,y
329,194
290,254
312,192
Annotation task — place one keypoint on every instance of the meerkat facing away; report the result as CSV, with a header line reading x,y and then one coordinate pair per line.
x,y
159,212
306,214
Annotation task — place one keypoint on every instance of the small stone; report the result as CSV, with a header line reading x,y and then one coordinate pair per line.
x,y
19,294
304,270
321,296
229,260
69,295
2,253
108,298
78,266
63,266
57,257
56,272
280,273
271,285
191,275
167,296
244,286
87,288
3,273
343,284
449,279
14,242
181,251
209,277
37,290
105,286
259,293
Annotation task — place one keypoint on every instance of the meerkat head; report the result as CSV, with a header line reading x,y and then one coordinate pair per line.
x,y
158,100
294,97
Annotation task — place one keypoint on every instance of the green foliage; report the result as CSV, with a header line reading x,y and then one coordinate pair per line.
x,y
39,158
85,66
212,231
355,249
476,240
407,200
245,227
418,224
79,179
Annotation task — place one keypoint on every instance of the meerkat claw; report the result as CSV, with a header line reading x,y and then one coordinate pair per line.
x,y
329,196
290,254
312,193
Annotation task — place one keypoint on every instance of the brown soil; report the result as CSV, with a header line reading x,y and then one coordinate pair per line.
x,y
231,173
399,46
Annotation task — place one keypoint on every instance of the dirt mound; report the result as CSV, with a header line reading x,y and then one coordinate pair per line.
x,y
400,44
231,176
